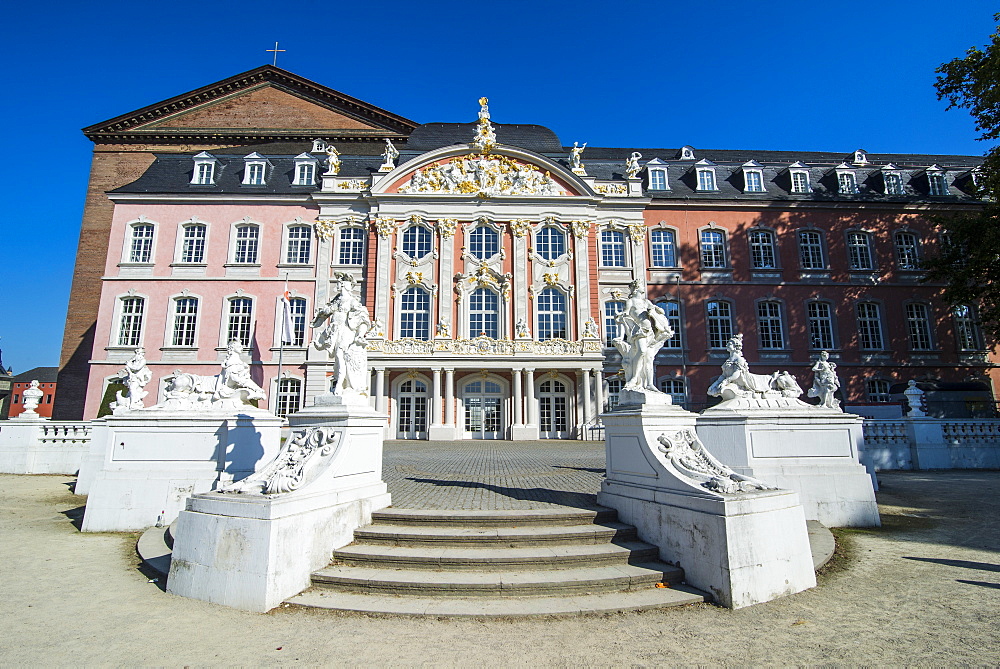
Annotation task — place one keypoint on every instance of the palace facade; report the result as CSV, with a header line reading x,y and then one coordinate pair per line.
x,y
493,259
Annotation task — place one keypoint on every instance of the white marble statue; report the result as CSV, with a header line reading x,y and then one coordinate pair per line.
x,y
736,381
575,157
135,376
632,167
521,329
230,390
486,136
443,328
915,398
590,329
389,156
332,160
31,397
344,322
825,382
643,328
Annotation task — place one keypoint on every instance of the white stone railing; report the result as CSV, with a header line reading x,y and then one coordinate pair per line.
x,y
69,432
884,432
968,432
484,346
925,442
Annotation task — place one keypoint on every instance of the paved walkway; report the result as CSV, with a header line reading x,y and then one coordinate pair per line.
x,y
493,474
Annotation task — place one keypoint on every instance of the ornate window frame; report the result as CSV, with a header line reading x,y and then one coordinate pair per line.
x,y
778,314
822,246
117,329
752,167
234,228
131,245
179,245
567,314
225,321
892,180
798,175
398,294
657,178
869,246
847,179
706,180
551,223
730,318
172,314
937,181
412,224
678,342
205,169
725,264
279,319
662,227
879,321
907,246
255,170
483,222
275,394
302,175
772,244
286,243
614,227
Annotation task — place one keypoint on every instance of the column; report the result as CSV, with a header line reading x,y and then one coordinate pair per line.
x,y
380,389
518,400
598,391
532,408
587,411
449,397
436,399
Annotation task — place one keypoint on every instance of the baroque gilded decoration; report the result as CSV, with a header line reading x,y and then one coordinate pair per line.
x,y
520,227
484,176
612,189
484,346
385,226
325,228
580,228
446,227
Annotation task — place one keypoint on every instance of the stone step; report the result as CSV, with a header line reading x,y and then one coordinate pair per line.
x,y
564,582
494,518
495,559
491,607
406,535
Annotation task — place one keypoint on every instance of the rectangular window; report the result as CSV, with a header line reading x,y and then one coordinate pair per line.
x,y
416,241
918,325
762,255
820,316
185,321
657,180
713,249
706,180
769,325
289,397
304,174
878,390
297,306
720,324
130,323
859,251
611,309
893,184
907,250
299,242
754,181
246,244
869,327
206,174
673,312
938,184
664,248
811,250
552,315
142,244
352,246
800,182
967,329
193,244
847,182
415,314
240,324
255,174
484,314
612,248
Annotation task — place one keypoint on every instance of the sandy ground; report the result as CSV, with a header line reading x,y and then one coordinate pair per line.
x,y
925,590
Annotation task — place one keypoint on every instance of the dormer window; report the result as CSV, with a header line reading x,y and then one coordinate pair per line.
x,y
893,180
847,180
800,178
706,175
204,169
254,172
305,170
686,153
753,177
936,181
656,170
860,157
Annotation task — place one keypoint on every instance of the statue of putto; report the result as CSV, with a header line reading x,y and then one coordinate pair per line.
x,y
632,167
343,324
643,328
825,381
736,381
135,376
521,329
332,160
389,156
590,329
575,156
230,390
31,396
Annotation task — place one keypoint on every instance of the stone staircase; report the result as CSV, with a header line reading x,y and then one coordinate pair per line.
x,y
496,563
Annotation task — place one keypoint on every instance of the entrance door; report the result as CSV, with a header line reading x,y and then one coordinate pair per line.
x,y
483,410
412,404
553,413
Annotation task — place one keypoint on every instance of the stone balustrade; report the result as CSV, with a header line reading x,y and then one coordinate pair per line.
x,y
931,443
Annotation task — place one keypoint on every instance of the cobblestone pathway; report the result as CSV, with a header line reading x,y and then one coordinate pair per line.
x,y
492,474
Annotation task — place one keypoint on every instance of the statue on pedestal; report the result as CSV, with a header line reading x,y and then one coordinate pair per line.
x,y
135,376
486,136
332,160
345,323
32,397
590,329
575,156
389,157
643,328
736,380
632,167
232,389
825,382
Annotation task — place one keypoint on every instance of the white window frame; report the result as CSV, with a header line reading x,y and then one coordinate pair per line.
x,y
821,327
405,313
657,178
723,334
852,256
799,176
180,256
137,252
707,182
547,332
709,258
200,177
403,241
870,325
255,165
759,250
771,329
844,173
300,322
753,180
610,309
172,320
673,310
489,231
607,247
968,334
305,160
343,240
937,182
544,249
907,246
278,396
288,243
484,314
656,247
668,385
227,320
919,326
807,251
891,175
140,329
234,242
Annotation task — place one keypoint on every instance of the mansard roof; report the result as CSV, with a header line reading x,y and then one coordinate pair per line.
x,y
326,114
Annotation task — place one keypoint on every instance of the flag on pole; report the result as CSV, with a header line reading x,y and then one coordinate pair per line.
x,y
287,331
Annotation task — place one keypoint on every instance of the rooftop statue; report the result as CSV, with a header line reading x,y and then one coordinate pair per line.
x,y
643,328
575,156
389,157
825,382
135,376
632,165
486,136
332,160
344,323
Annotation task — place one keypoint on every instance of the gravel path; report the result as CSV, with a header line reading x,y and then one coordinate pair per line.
x,y
923,590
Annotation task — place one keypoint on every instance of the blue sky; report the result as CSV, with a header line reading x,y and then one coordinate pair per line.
x,y
772,75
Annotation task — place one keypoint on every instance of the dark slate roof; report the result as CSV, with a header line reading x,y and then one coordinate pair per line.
x,y
526,136
40,374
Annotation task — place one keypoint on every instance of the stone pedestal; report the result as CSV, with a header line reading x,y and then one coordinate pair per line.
x,y
804,448
255,545
745,546
146,463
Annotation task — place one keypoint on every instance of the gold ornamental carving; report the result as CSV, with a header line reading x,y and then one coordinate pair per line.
x,y
446,227
520,227
385,227
580,229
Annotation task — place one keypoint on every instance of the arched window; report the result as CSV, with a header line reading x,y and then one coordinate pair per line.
x,y
552,315
811,254
130,321
484,313
870,326
820,318
918,326
611,309
550,243
769,325
484,242
416,241
676,388
289,397
612,248
720,323
193,243
878,390
713,249
299,243
185,321
297,307
859,251
352,246
245,250
415,314
762,253
664,245
239,322
141,243
967,332
907,250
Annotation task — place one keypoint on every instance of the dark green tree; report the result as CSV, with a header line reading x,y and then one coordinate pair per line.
x,y
968,263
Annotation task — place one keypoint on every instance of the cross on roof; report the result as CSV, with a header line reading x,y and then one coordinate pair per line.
x,y
275,50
